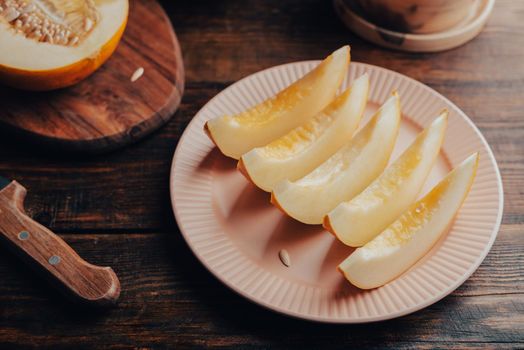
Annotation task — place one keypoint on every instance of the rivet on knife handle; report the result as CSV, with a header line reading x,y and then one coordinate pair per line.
x,y
48,252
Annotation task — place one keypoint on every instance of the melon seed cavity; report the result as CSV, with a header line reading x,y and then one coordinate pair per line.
x,y
59,22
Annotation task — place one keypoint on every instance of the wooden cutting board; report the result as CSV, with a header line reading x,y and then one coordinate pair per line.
x,y
107,110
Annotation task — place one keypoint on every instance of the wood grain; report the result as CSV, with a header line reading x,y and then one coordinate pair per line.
x,y
169,299
114,209
49,255
107,110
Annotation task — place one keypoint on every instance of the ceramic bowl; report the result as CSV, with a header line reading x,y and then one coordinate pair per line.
x,y
416,16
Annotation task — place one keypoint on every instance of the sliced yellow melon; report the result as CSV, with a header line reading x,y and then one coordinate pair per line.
x,y
237,134
359,220
412,235
346,173
49,44
304,148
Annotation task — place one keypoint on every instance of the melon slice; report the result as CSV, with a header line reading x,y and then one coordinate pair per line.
x,y
345,174
237,134
412,235
304,148
49,44
358,221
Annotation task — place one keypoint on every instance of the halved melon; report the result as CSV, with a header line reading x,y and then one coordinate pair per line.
x,y
362,218
412,235
346,173
49,44
237,134
304,148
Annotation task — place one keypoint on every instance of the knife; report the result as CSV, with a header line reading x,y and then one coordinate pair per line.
x,y
52,256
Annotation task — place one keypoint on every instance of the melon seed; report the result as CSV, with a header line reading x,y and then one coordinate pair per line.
x,y
137,74
88,24
11,14
284,257
29,8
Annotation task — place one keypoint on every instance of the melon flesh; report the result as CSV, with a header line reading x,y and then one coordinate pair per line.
x,y
304,148
412,235
345,174
358,221
237,134
37,64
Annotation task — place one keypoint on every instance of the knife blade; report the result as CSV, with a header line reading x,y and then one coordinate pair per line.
x,y
50,255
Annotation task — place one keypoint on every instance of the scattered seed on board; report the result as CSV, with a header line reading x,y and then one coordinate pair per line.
x,y
284,257
137,74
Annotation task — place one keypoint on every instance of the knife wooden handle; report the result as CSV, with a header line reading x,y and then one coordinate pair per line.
x,y
50,254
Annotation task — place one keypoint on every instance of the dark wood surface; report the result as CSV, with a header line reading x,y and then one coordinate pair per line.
x,y
114,209
107,110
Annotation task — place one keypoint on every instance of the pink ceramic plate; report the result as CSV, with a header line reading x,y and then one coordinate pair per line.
x,y
236,233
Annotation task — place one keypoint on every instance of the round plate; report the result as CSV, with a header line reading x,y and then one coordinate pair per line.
x,y
235,232
463,32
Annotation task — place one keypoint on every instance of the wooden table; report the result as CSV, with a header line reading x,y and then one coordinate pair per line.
x,y
114,209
